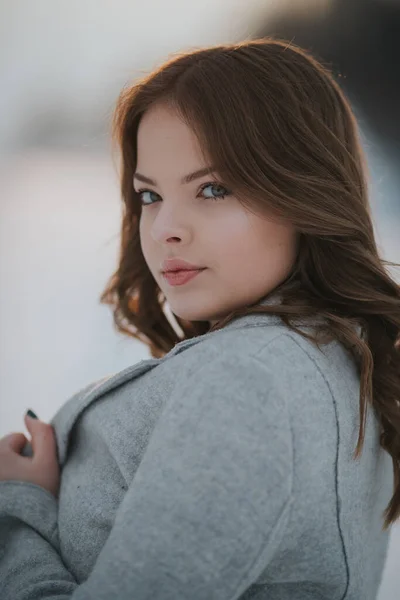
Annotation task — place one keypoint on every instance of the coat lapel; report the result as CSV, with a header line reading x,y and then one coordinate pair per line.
x,y
66,417
68,414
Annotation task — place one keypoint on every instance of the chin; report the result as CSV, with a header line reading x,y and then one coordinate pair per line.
x,y
188,313
195,307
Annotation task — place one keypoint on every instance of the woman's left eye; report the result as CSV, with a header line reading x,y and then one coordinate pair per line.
x,y
220,193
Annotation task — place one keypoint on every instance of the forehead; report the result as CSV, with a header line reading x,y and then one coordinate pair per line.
x,y
160,123
165,143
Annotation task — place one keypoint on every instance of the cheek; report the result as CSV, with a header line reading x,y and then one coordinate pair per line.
x,y
279,250
267,244
142,236
235,245
145,241
145,228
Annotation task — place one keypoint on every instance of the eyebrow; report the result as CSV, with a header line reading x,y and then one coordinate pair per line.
x,y
186,179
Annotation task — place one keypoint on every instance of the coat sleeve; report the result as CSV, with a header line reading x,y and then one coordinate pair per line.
x,y
207,507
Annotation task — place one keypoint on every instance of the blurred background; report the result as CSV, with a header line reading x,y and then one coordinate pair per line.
x,y
62,66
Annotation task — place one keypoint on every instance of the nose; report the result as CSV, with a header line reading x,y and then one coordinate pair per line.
x,y
169,228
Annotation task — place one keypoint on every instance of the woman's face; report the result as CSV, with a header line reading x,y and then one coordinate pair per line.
x,y
245,256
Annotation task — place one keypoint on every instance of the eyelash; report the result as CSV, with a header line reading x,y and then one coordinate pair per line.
x,y
202,187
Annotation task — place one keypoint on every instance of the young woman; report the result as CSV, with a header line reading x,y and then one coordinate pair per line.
x,y
253,456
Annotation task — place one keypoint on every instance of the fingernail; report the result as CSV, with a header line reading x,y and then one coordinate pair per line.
x,y
31,414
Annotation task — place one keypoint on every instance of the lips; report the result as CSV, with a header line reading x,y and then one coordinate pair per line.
x,y
182,271
182,276
178,270
178,264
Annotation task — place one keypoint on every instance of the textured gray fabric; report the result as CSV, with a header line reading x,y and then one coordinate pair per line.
x,y
223,470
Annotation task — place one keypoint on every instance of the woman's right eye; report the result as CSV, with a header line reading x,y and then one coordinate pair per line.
x,y
142,200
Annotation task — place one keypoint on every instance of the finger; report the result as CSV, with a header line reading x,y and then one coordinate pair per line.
x,y
43,441
16,441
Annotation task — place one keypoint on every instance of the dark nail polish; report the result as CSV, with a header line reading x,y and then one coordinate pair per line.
x,y
30,413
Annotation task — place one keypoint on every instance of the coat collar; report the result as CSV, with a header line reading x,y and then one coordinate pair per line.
x,y
68,414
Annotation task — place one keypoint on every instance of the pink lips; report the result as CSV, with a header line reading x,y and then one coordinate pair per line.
x,y
181,277
178,264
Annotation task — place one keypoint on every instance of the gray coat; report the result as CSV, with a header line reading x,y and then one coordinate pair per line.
x,y
223,470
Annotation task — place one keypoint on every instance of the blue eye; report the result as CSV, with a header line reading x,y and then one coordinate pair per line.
x,y
140,192
218,195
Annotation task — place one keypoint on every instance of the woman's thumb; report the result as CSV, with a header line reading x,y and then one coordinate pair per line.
x,y
43,439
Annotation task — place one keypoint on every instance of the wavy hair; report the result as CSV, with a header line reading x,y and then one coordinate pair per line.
x,y
278,129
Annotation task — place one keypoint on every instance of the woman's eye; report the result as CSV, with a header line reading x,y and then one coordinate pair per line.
x,y
143,201
218,193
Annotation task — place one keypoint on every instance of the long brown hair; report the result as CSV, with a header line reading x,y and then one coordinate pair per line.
x,y
279,131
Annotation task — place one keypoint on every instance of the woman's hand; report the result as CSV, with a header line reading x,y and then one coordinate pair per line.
x,y
42,468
